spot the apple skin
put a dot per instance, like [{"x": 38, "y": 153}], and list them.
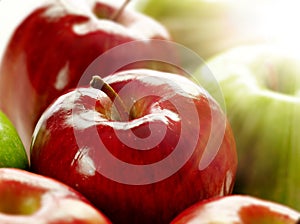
[
  {"x": 30, "y": 198},
  {"x": 51, "y": 48},
  {"x": 149, "y": 182},
  {"x": 12, "y": 151},
  {"x": 238, "y": 209},
  {"x": 261, "y": 84}
]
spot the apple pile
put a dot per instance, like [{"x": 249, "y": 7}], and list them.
[
  {"x": 112, "y": 135},
  {"x": 50, "y": 50}
]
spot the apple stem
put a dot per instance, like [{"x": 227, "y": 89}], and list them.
[
  {"x": 117, "y": 14},
  {"x": 98, "y": 83}
]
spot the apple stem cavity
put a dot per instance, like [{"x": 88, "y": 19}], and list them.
[
  {"x": 117, "y": 14},
  {"x": 272, "y": 79},
  {"x": 98, "y": 83}
]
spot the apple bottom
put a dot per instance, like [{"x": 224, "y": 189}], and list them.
[
  {"x": 156, "y": 202},
  {"x": 28, "y": 198},
  {"x": 124, "y": 203}
]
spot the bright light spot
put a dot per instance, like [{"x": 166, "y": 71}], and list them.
[
  {"x": 267, "y": 21},
  {"x": 279, "y": 22},
  {"x": 85, "y": 164},
  {"x": 62, "y": 78}
]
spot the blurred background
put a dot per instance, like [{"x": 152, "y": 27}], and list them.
[
  {"x": 211, "y": 26},
  {"x": 205, "y": 26}
]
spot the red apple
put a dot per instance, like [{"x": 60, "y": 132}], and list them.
[
  {"x": 147, "y": 146},
  {"x": 238, "y": 209},
  {"x": 52, "y": 47},
  {"x": 28, "y": 198}
]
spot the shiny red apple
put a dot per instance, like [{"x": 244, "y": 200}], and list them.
[
  {"x": 28, "y": 198},
  {"x": 144, "y": 147},
  {"x": 51, "y": 48},
  {"x": 238, "y": 209}
]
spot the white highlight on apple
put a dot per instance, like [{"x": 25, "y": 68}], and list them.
[{"x": 62, "y": 78}]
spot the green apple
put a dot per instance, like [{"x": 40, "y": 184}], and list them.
[
  {"x": 208, "y": 27},
  {"x": 261, "y": 87},
  {"x": 12, "y": 151}
]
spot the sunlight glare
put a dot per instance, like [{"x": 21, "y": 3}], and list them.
[{"x": 279, "y": 23}]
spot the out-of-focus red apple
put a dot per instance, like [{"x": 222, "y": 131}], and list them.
[
  {"x": 28, "y": 198},
  {"x": 167, "y": 146},
  {"x": 52, "y": 47}
]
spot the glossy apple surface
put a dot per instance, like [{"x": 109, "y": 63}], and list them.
[
  {"x": 12, "y": 151},
  {"x": 170, "y": 148},
  {"x": 51, "y": 48},
  {"x": 238, "y": 209},
  {"x": 261, "y": 90},
  {"x": 28, "y": 198}
]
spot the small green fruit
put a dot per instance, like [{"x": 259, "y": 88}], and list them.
[{"x": 12, "y": 151}]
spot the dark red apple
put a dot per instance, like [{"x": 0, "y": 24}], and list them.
[
  {"x": 147, "y": 146},
  {"x": 238, "y": 209},
  {"x": 28, "y": 198},
  {"x": 52, "y": 47}
]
